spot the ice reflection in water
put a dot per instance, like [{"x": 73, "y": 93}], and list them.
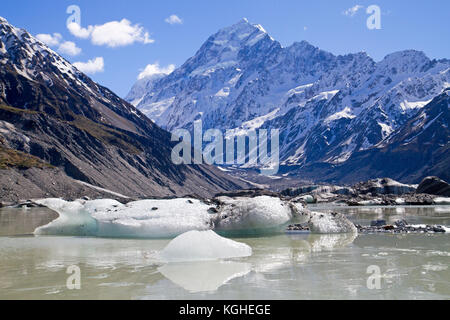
[{"x": 203, "y": 276}]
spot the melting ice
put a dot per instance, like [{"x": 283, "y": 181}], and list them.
[{"x": 171, "y": 218}]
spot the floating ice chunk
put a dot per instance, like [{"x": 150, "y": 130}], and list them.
[
  {"x": 75, "y": 218},
  {"x": 170, "y": 218},
  {"x": 400, "y": 201},
  {"x": 203, "y": 276},
  {"x": 139, "y": 219},
  {"x": 203, "y": 245},
  {"x": 257, "y": 214},
  {"x": 307, "y": 198},
  {"x": 373, "y": 202},
  {"x": 155, "y": 218},
  {"x": 441, "y": 201},
  {"x": 330, "y": 223}
]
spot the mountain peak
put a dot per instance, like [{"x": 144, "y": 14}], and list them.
[
  {"x": 406, "y": 54},
  {"x": 242, "y": 31},
  {"x": 222, "y": 49},
  {"x": 406, "y": 61},
  {"x": 243, "y": 20},
  {"x": 303, "y": 45}
]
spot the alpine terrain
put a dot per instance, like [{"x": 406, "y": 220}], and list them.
[
  {"x": 61, "y": 134},
  {"x": 337, "y": 115}
]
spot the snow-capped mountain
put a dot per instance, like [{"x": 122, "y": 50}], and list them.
[
  {"x": 419, "y": 148},
  {"x": 54, "y": 112},
  {"x": 143, "y": 87},
  {"x": 326, "y": 107}
]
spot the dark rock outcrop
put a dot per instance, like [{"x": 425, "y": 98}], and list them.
[
  {"x": 249, "y": 193},
  {"x": 383, "y": 186},
  {"x": 435, "y": 186},
  {"x": 400, "y": 226}
]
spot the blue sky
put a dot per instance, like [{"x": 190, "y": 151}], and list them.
[{"x": 405, "y": 25}]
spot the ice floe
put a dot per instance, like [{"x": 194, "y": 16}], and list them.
[
  {"x": 203, "y": 245},
  {"x": 441, "y": 201},
  {"x": 330, "y": 223},
  {"x": 169, "y": 218},
  {"x": 139, "y": 219},
  {"x": 259, "y": 214}
]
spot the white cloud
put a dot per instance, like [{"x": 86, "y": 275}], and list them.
[
  {"x": 152, "y": 69},
  {"x": 305, "y": 28},
  {"x": 55, "y": 40},
  {"x": 78, "y": 31},
  {"x": 350, "y": 12},
  {"x": 112, "y": 34},
  {"x": 92, "y": 66},
  {"x": 69, "y": 48},
  {"x": 174, "y": 19},
  {"x": 50, "y": 40}
]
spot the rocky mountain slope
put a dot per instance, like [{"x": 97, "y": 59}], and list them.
[
  {"x": 418, "y": 149},
  {"x": 52, "y": 111},
  {"x": 327, "y": 107}
]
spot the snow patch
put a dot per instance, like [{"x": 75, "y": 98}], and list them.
[{"x": 344, "y": 114}]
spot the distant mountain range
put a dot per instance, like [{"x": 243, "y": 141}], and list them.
[
  {"x": 55, "y": 118},
  {"x": 341, "y": 118}
]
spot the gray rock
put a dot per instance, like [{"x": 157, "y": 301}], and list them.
[
  {"x": 434, "y": 186},
  {"x": 378, "y": 223},
  {"x": 383, "y": 186},
  {"x": 250, "y": 193},
  {"x": 400, "y": 226}
]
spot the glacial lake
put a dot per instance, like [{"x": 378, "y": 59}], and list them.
[{"x": 412, "y": 266}]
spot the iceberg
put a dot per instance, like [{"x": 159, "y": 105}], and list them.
[
  {"x": 169, "y": 218},
  {"x": 330, "y": 223},
  {"x": 307, "y": 198},
  {"x": 261, "y": 214},
  {"x": 441, "y": 201},
  {"x": 75, "y": 219},
  {"x": 139, "y": 219},
  {"x": 203, "y": 246}
]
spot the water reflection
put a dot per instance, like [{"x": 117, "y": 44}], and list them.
[
  {"x": 281, "y": 267},
  {"x": 23, "y": 221},
  {"x": 412, "y": 214},
  {"x": 204, "y": 276},
  {"x": 324, "y": 242},
  {"x": 272, "y": 253}
]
